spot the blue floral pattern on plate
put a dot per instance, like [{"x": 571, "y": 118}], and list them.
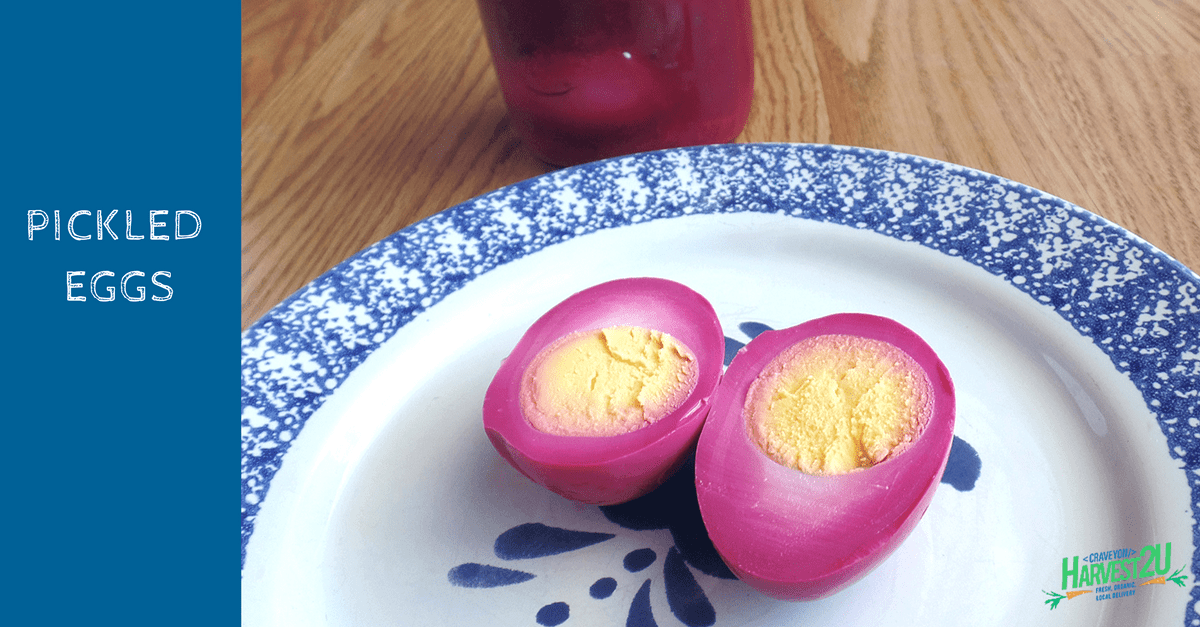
[{"x": 1136, "y": 304}]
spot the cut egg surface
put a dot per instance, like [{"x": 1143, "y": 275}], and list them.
[
  {"x": 821, "y": 452},
  {"x": 604, "y": 396}
]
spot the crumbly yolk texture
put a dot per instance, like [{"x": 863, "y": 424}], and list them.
[
  {"x": 835, "y": 403},
  {"x": 607, "y": 382}
]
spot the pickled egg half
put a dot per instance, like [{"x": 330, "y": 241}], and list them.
[
  {"x": 804, "y": 514},
  {"x": 563, "y": 410}
]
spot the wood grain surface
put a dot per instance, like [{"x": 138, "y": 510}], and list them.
[{"x": 360, "y": 117}]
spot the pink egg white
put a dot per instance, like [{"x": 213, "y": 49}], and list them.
[
  {"x": 606, "y": 470},
  {"x": 799, "y": 536}
]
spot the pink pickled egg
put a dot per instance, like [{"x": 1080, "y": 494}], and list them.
[
  {"x": 608, "y": 469},
  {"x": 800, "y": 535}
]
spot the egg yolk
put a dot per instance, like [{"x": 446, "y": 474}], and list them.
[
  {"x": 607, "y": 382},
  {"x": 835, "y": 403}
]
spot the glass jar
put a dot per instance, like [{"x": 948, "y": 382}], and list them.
[{"x": 590, "y": 79}]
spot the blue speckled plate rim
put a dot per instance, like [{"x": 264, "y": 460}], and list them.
[{"x": 1137, "y": 304}]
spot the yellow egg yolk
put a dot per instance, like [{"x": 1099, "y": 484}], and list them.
[
  {"x": 607, "y": 382},
  {"x": 834, "y": 403}
]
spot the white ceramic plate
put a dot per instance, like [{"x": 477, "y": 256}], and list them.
[{"x": 372, "y": 497}]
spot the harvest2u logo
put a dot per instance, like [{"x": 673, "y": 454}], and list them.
[{"x": 1116, "y": 574}]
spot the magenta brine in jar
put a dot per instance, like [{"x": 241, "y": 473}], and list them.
[{"x": 591, "y": 79}]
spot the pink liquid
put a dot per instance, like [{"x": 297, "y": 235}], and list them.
[{"x": 590, "y": 79}]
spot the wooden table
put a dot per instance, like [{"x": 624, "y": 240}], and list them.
[{"x": 360, "y": 117}]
